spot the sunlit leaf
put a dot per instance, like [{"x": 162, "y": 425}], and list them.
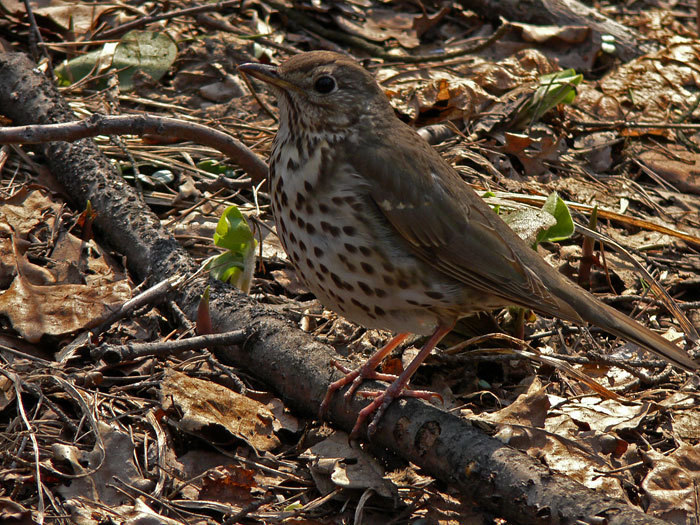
[
  {"x": 555, "y": 88},
  {"x": 235, "y": 265},
  {"x": 564, "y": 227},
  {"x": 143, "y": 51}
]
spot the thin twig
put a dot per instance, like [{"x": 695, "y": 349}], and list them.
[
  {"x": 146, "y": 20},
  {"x": 253, "y": 92},
  {"x": 35, "y": 445},
  {"x": 39, "y": 41},
  {"x": 617, "y": 124},
  {"x": 128, "y": 352}
]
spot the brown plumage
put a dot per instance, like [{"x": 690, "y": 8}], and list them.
[{"x": 385, "y": 232}]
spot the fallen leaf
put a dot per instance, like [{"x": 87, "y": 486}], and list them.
[
  {"x": 204, "y": 403},
  {"x": 96, "y": 470},
  {"x": 35, "y": 311},
  {"x": 334, "y": 463},
  {"x": 671, "y": 484}
]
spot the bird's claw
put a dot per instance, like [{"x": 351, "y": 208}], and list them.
[
  {"x": 381, "y": 402},
  {"x": 353, "y": 377},
  {"x": 419, "y": 394}
]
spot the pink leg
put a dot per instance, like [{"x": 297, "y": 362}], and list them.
[
  {"x": 383, "y": 400},
  {"x": 366, "y": 371}
]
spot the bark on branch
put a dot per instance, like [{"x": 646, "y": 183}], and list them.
[{"x": 499, "y": 478}]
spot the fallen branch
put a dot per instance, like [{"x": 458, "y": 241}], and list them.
[{"x": 507, "y": 482}]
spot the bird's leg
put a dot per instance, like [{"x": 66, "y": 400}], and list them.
[
  {"x": 397, "y": 388},
  {"x": 366, "y": 371}
]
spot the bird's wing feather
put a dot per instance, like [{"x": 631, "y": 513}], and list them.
[{"x": 447, "y": 225}]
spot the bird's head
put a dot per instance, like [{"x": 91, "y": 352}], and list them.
[{"x": 322, "y": 90}]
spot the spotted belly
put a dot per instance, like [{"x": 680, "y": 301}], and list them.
[{"x": 335, "y": 247}]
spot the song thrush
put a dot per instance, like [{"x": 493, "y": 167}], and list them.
[{"x": 385, "y": 232}]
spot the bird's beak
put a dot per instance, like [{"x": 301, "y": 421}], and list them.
[{"x": 267, "y": 74}]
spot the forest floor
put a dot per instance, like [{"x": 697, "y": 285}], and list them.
[{"x": 183, "y": 435}]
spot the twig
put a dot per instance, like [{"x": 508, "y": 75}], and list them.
[
  {"x": 241, "y": 514},
  {"x": 24, "y": 355},
  {"x": 617, "y": 124},
  {"x": 145, "y": 495},
  {"x": 38, "y": 42},
  {"x": 140, "y": 125},
  {"x": 149, "y": 296},
  {"x": 226, "y": 370},
  {"x": 252, "y": 90},
  {"x": 119, "y": 353},
  {"x": 88, "y": 414},
  {"x": 35, "y": 445},
  {"x": 144, "y": 21}
]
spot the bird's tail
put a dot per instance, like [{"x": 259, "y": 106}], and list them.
[{"x": 611, "y": 320}]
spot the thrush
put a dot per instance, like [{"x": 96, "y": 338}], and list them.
[{"x": 386, "y": 233}]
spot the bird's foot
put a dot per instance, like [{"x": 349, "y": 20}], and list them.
[
  {"x": 354, "y": 378},
  {"x": 366, "y": 371},
  {"x": 398, "y": 387},
  {"x": 381, "y": 402}
]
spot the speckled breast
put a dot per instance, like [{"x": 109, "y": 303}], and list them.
[{"x": 344, "y": 250}]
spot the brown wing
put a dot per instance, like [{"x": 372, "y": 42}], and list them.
[{"x": 449, "y": 226}]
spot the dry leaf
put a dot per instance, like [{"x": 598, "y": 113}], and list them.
[
  {"x": 116, "y": 459},
  {"x": 672, "y": 483},
  {"x": 204, "y": 403},
  {"x": 35, "y": 311},
  {"x": 336, "y": 463}
]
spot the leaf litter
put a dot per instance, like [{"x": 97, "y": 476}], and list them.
[{"x": 182, "y": 429}]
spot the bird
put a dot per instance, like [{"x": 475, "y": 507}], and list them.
[{"x": 386, "y": 233}]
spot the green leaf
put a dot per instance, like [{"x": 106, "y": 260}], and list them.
[
  {"x": 232, "y": 231},
  {"x": 237, "y": 264},
  {"x": 488, "y": 195},
  {"x": 151, "y": 52},
  {"x": 555, "y": 88},
  {"x": 215, "y": 167},
  {"x": 226, "y": 267},
  {"x": 564, "y": 227},
  {"x": 71, "y": 71}
]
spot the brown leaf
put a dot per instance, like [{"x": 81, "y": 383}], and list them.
[
  {"x": 228, "y": 484},
  {"x": 204, "y": 403},
  {"x": 677, "y": 165},
  {"x": 99, "y": 466},
  {"x": 28, "y": 210},
  {"x": 671, "y": 484},
  {"x": 61, "y": 309},
  {"x": 335, "y": 463}
]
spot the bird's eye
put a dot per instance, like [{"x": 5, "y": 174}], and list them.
[{"x": 324, "y": 84}]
